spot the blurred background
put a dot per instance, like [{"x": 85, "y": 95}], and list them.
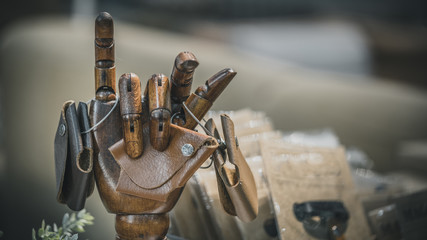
[{"x": 356, "y": 67}]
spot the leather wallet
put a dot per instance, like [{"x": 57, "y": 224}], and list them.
[
  {"x": 236, "y": 184},
  {"x": 154, "y": 175},
  {"x": 73, "y": 156}
]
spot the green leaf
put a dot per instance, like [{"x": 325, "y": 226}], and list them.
[
  {"x": 73, "y": 217},
  {"x": 79, "y": 229},
  {"x": 41, "y": 232},
  {"x": 88, "y": 217},
  {"x": 60, "y": 231},
  {"x": 85, "y": 222},
  {"x": 71, "y": 223},
  {"x": 81, "y": 213},
  {"x": 65, "y": 219}
]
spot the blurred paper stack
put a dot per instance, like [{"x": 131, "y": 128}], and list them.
[{"x": 289, "y": 168}]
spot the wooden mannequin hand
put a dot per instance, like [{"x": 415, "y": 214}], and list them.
[
  {"x": 163, "y": 98},
  {"x": 165, "y": 102}
]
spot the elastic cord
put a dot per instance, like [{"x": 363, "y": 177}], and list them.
[
  {"x": 197, "y": 120},
  {"x": 103, "y": 119}
]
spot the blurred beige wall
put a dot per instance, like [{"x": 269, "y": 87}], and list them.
[{"x": 47, "y": 61}]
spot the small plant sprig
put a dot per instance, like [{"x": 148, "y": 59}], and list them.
[{"x": 70, "y": 224}]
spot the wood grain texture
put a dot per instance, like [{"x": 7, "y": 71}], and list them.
[
  {"x": 156, "y": 174},
  {"x": 158, "y": 90},
  {"x": 107, "y": 171},
  {"x": 182, "y": 77},
  {"x": 142, "y": 227},
  {"x": 105, "y": 70},
  {"x": 131, "y": 110},
  {"x": 216, "y": 84},
  {"x": 105, "y": 83},
  {"x": 198, "y": 106},
  {"x": 203, "y": 98},
  {"x": 137, "y": 217}
]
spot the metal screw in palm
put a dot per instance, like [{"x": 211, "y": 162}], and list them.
[{"x": 156, "y": 122}]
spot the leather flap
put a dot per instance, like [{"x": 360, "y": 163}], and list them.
[
  {"x": 61, "y": 151},
  {"x": 241, "y": 185},
  {"x": 241, "y": 191},
  {"x": 218, "y": 158},
  {"x": 73, "y": 157},
  {"x": 224, "y": 197},
  {"x": 236, "y": 184},
  {"x": 153, "y": 169},
  {"x": 86, "y": 161}
]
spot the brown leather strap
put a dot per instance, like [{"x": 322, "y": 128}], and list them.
[
  {"x": 236, "y": 184},
  {"x": 73, "y": 157},
  {"x": 61, "y": 151}
]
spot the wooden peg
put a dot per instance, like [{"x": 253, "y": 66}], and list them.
[
  {"x": 142, "y": 227},
  {"x": 159, "y": 105},
  {"x": 131, "y": 110},
  {"x": 105, "y": 69},
  {"x": 203, "y": 98},
  {"x": 182, "y": 78}
]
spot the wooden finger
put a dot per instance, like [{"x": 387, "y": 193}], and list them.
[
  {"x": 182, "y": 78},
  {"x": 131, "y": 110},
  {"x": 159, "y": 105},
  {"x": 105, "y": 69},
  {"x": 203, "y": 98}
]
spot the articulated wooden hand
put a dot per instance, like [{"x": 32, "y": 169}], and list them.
[{"x": 146, "y": 149}]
